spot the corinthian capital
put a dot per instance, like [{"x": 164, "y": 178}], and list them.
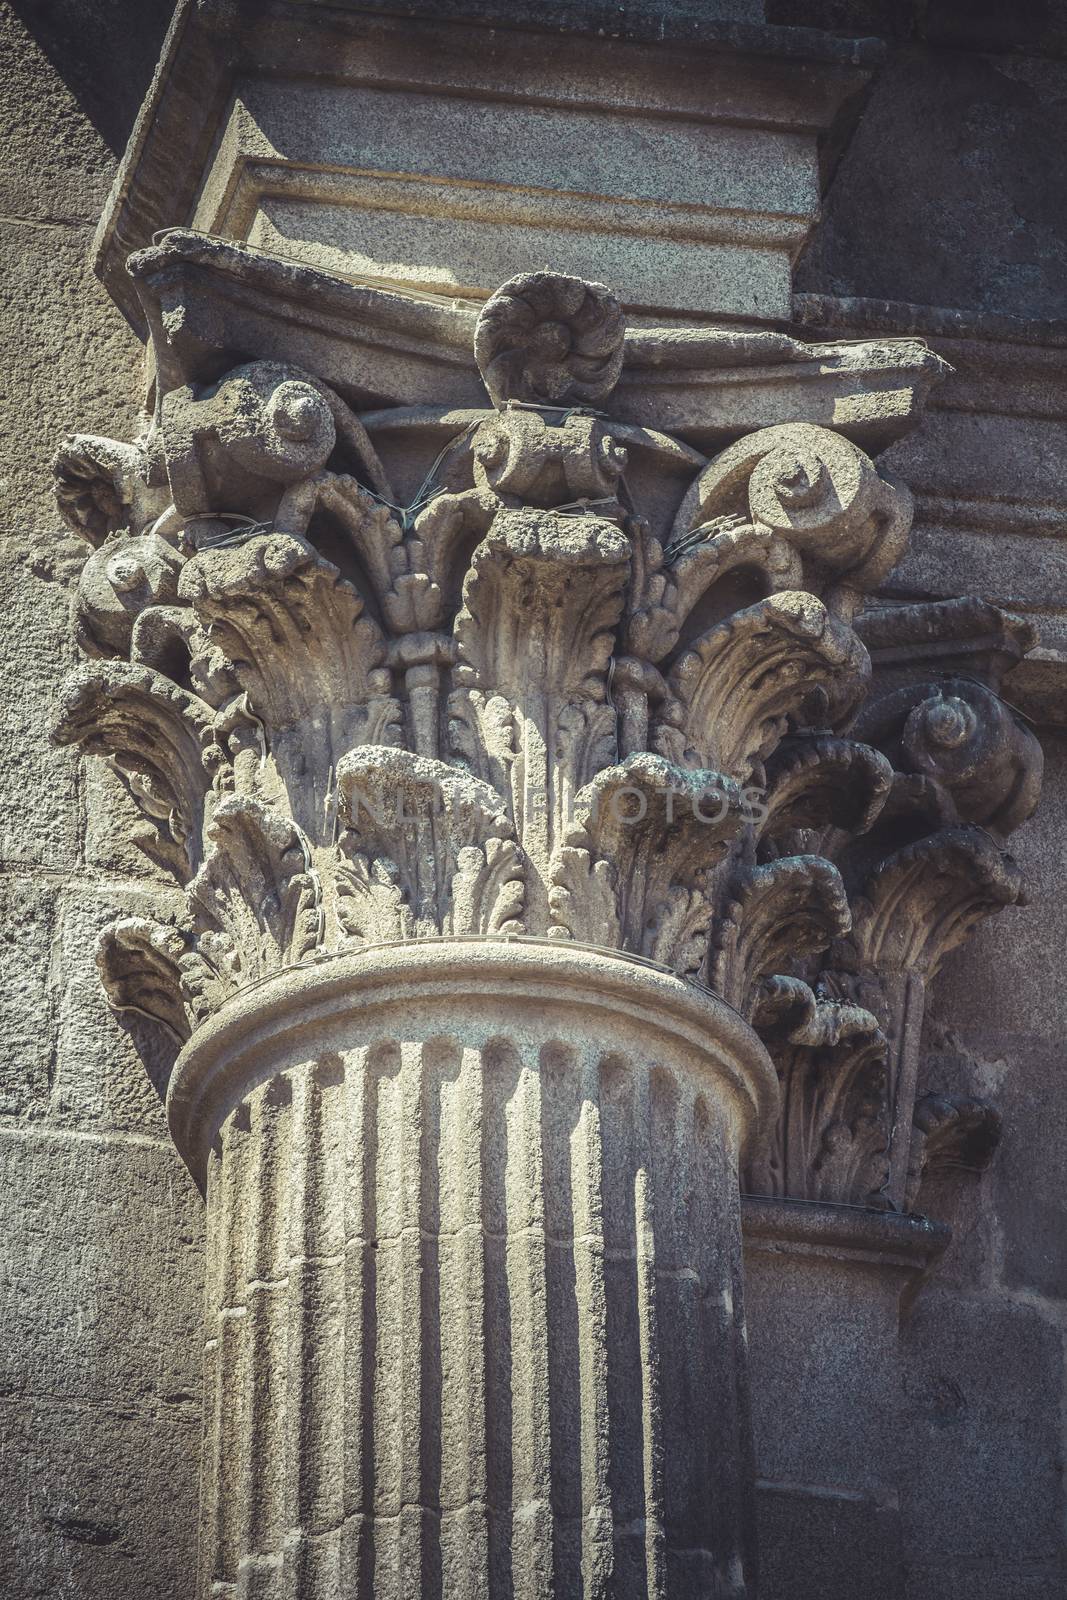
[
  {"x": 538, "y": 836},
  {"x": 529, "y": 645}
]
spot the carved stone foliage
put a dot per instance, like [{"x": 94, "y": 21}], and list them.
[
  {"x": 524, "y": 669},
  {"x": 928, "y": 864}
]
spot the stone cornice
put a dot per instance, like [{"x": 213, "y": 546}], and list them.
[
  {"x": 386, "y": 348},
  {"x": 991, "y": 496},
  {"x": 909, "y": 1245},
  {"x": 749, "y": 85},
  {"x": 691, "y": 23}
]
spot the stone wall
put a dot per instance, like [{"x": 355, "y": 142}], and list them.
[
  {"x": 950, "y": 195},
  {"x": 100, "y": 1281}
]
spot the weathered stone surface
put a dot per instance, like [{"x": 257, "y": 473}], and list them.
[
  {"x": 40, "y": 821},
  {"x": 492, "y": 1263},
  {"x": 57, "y": 168},
  {"x": 709, "y": 384},
  {"x": 964, "y": 148},
  {"x": 973, "y": 1443},
  {"x": 956, "y": 1580},
  {"x": 100, "y": 51},
  {"x": 987, "y": 467},
  {"x": 828, "y": 1543},
  {"x": 29, "y": 994},
  {"x": 100, "y": 1292},
  {"x": 507, "y": 656},
  {"x": 986, "y": 470},
  {"x": 824, "y": 1286},
  {"x": 112, "y": 825},
  {"x": 1031, "y": 1257},
  {"x": 99, "y": 1501},
  {"x": 68, "y": 360}
]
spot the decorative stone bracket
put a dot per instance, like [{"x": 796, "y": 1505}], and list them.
[{"x": 521, "y": 772}]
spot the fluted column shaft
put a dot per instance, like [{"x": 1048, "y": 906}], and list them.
[{"x": 475, "y": 1325}]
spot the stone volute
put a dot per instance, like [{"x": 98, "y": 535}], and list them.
[{"x": 502, "y": 756}]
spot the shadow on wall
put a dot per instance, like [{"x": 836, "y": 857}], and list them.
[
  {"x": 105, "y": 51},
  {"x": 1026, "y": 25},
  {"x": 952, "y": 190}
]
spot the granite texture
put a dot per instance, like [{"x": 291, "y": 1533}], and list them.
[
  {"x": 913, "y": 1430},
  {"x": 101, "y": 1263}
]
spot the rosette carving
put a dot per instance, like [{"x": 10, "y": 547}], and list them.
[{"x": 551, "y": 340}]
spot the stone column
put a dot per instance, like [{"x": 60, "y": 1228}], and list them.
[
  {"x": 475, "y": 1319},
  {"x": 456, "y": 732}
]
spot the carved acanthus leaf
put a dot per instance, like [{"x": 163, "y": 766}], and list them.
[
  {"x": 671, "y": 582},
  {"x": 733, "y": 692},
  {"x": 542, "y": 598},
  {"x": 377, "y": 537},
  {"x": 923, "y": 900},
  {"x": 443, "y": 531},
  {"x": 788, "y": 1011},
  {"x": 104, "y": 485},
  {"x": 653, "y": 835},
  {"x": 831, "y": 1139},
  {"x": 171, "y": 641},
  {"x": 293, "y": 627},
  {"x": 817, "y": 783},
  {"x": 409, "y": 560},
  {"x": 534, "y": 639},
  {"x": 309, "y": 660},
  {"x": 436, "y": 838},
  {"x": 153, "y": 731},
  {"x": 256, "y": 903},
  {"x": 777, "y": 915},
  {"x": 140, "y": 968},
  {"x": 562, "y": 684}
]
